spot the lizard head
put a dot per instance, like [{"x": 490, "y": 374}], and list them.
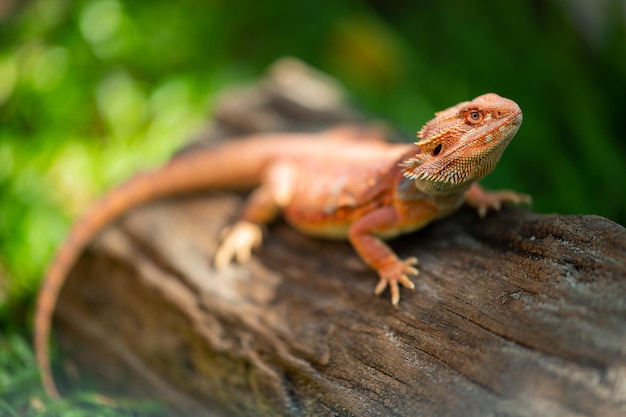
[{"x": 463, "y": 144}]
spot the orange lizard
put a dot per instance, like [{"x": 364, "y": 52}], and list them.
[{"x": 332, "y": 184}]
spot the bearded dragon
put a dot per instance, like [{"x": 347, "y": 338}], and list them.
[{"x": 335, "y": 184}]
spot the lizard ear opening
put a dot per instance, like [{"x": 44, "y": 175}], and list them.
[{"x": 437, "y": 150}]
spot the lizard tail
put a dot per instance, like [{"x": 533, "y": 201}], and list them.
[{"x": 209, "y": 169}]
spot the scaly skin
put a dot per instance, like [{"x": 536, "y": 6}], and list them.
[{"x": 342, "y": 183}]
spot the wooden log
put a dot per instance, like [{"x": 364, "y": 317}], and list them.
[{"x": 518, "y": 314}]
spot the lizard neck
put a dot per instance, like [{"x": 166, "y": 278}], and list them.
[
  {"x": 434, "y": 188},
  {"x": 447, "y": 201}
]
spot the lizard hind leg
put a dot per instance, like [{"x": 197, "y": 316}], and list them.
[
  {"x": 238, "y": 242},
  {"x": 261, "y": 208}
]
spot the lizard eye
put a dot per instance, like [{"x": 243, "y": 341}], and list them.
[
  {"x": 437, "y": 150},
  {"x": 474, "y": 117}
]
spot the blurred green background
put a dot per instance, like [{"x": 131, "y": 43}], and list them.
[{"x": 94, "y": 90}]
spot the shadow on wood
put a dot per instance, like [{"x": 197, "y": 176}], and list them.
[{"x": 518, "y": 314}]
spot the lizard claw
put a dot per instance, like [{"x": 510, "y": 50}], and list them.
[
  {"x": 239, "y": 240},
  {"x": 493, "y": 200},
  {"x": 394, "y": 273}
]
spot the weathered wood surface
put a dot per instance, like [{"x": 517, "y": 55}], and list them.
[{"x": 518, "y": 314}]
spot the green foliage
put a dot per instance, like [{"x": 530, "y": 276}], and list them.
[{"x": 93, "y": 90}]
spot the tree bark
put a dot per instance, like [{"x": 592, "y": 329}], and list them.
[{"x": 517, "y": 314}]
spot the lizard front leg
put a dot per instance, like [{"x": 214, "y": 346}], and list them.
[
  {"x": 262, "y": 207},
  {"x": 375, "y": 253},
  {"x": 483, "y": 200}
]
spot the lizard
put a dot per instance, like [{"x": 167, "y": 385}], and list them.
[{"x": 340, "y": 183}]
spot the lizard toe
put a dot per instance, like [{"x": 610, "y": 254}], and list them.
[
  {"x": 238, "y": 243},
  {"x": 395, "y": 274}
]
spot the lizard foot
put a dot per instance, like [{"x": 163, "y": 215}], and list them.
[
  {"x": 394, "y": 273},
  {"x": 484, "y": 201},
  {"x": 238, "y": 242}
]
